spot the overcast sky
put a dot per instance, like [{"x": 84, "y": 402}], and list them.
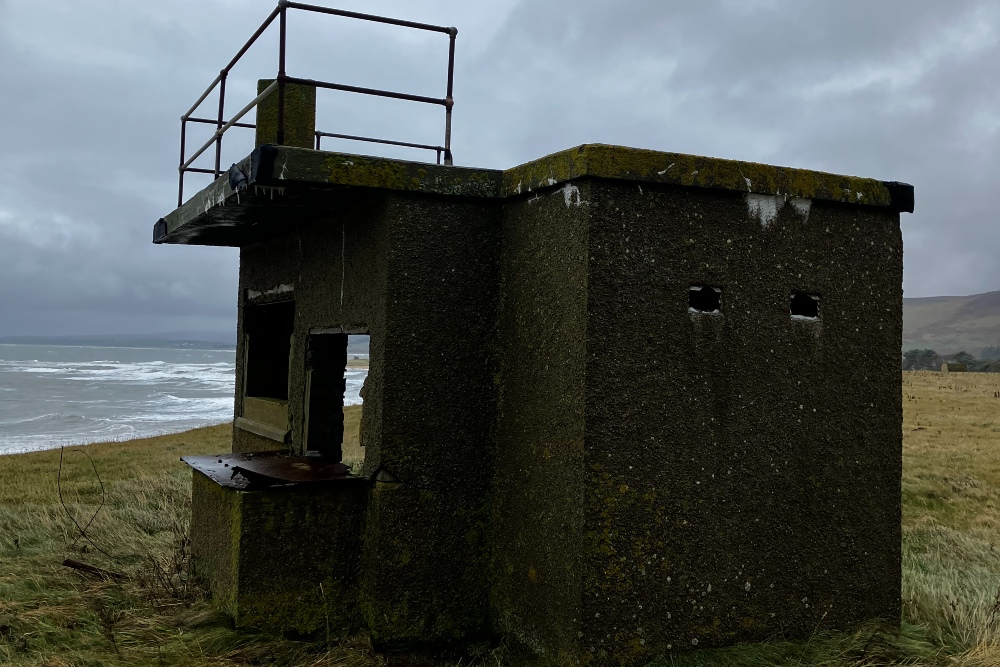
[{"x": 92, "y": 91}]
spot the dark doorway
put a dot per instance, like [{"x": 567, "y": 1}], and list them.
[{"x": 326, "y": 360}]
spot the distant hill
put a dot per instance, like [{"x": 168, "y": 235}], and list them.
[{"x": 950, "y": 324}]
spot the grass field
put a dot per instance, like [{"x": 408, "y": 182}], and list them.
[{"x": 55, "y": 616}]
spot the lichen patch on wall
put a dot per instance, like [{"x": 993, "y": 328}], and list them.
[
  {"x": 571, "y": 194},
  {"x": 764, "y": 208},
  {"x": 801, "y": 206}
]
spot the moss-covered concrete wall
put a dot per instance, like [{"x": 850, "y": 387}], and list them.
[
  {"x": 419, "y": 273},
  {"x": 425, "y": 540},
  {"x": 558, "y": 449},
  {"x": 299, "y": 558},
  {"x": 332, "y": 262},
  {"x": 284, "y": 559},
  {"x": 742, "y": 467},
  {"x": 215, "y": 530},
  {"x": 537, "y": 562}
]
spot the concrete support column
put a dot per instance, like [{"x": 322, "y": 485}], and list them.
[{"x": 300, "y": 115}]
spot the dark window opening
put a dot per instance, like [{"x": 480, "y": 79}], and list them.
[
  {"x": 805, "y": 306},
  {"x": 702, "y": 299},
  {"x": 336, "y": 371},
  {"x": 268, "y": 330}
]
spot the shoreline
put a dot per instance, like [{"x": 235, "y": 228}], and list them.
[{"x": 110, "y": 441}]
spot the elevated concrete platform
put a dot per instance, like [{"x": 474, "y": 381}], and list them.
[{"x": 287, "y": 181}]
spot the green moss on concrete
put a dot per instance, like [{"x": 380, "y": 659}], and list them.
[
  {"x": 215, "y": 529},
  {"x": 299, "y": 115},
  {"x": 283, "y": 559},
  {"x": 423, "y": 580},
  {"x": 374, "y": 172},
  {"x": 646, "y": 166},
  {"x": 215, "y": 215}
]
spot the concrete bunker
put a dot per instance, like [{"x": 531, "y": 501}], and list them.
[{"x": 557, "y": 450}]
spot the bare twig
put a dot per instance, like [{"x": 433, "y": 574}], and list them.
[
  {"x": 103, "y": 496},
  {"x": 83, "y": 531},
  {"x": 95, "y": 571}
]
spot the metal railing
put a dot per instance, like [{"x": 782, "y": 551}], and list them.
[{"x": 282, "y": 79}]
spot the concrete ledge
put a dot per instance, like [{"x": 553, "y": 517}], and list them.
[
  {"x": 297, "y": 179},
  {"x": 646, "y": 166}
]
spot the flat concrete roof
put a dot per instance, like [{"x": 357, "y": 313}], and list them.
[{"x": 293, "y": 180}]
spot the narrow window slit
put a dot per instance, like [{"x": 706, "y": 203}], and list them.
[
  {"x": 704, "y": 299},
  {"x": 805, "y": 306}
]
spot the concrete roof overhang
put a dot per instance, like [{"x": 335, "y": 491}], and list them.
[{"x": 276, "y": 185}]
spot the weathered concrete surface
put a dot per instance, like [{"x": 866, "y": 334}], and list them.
[
  {"x": 284, "y": 559},
  {"x": 557, "y": 449},
  {"x": 374, "y": 268},
  {"x": 743, "y": 481},
  {"x": 425, "y": 541},
  {"x": 333, "y": 264},
  {"x": 289, "y": 177},
  {"x": 537, "y": 532},
  {"x": 299, "y": 115},
  {"x": 638, "y": 165}
]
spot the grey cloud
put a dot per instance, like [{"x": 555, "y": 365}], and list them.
[{"x": 88, "y": 127}]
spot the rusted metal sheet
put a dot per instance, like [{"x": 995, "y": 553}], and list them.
[{"x": 266, "y": 469}]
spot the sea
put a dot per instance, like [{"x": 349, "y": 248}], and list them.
[{"x": 58, "y": 395}]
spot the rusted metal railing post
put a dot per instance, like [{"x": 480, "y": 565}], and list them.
[
  {"x": 449, "y": 98},
  {"x": 282, "y": 31},
  {"x": 289, "y": 116},
  {"x": 221, "y": 122},
  {"x": 180, "y": 169}
]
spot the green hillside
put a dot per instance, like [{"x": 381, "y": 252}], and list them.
[{"x": 949, "y": 324}]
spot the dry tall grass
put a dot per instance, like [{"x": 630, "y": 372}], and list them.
[{"x": 54, "y": 616}]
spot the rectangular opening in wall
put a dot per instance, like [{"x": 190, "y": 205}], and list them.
[
  {"x": 704, "y": 299},
  {"x": 804, "y": 306},
  {"x": 356, "y": 378},
  {"x": 336, "y": 370},
  {"x": 268, "y": 329},
  {"x": 267, "y": 346}
]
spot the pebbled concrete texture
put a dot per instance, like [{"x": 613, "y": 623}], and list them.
[
  {"x": 299, "y": 115},
  {"x": 282, "y": 559},
  {"x": 743, "y": 467},
  {"x": 557, "y": 449},
  {"x": 437, "y": 406},
  {"x": 537, "y": 520}
]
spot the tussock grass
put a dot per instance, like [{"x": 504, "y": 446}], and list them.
[{"x": 54, "y": 616}]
